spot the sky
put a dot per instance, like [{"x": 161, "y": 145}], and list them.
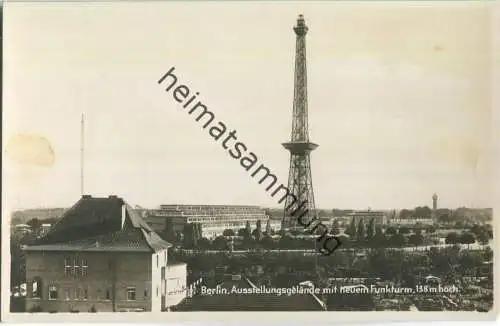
[{"x": 399, "y": 101}]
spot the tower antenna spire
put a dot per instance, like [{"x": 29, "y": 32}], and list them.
[
  {"x": 82, "y": 153},
  {"x": 299, "y": 177}
]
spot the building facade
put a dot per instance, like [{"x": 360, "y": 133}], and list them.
[
  {"x": 378, "y": 216},
  {"x": 101, "y": 256},
  {"x": 412, "y": 221},
  {"x": 213, "y": 218}
]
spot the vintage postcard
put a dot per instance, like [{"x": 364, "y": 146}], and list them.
[{"x": 207, "y": 161}]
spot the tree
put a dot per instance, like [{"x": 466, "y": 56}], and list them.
[
  {"x": 418, "y": 227},
  {"x": 391, "y": 230},
  {"x": 268, "y": 227},
  {"x": 404, "y": 214},
  {"x": 335, "y": 227},
  {"x": 444, "y": 217},
  {"x": 197, "y": 232},
  {"x": 404, "y": 230},
  {"x": 370, "y": 231},
  {"x": 188, "y": 236},
  {"x": 168, "y": 232},
  {"x": 467, "y": 238},
  {"x": 18, "y": 262},
  {"x": 423, "y": 212},
  {"x": 204, "y": 244},
  {"x": 476, "y": 229},
  {"x": 35, "y": 225},
  {"x": 228, "y": 233},
  {"x": 416, "y": 239},
  {"x": 248, "y": 231},
  {"x": 483, "y": 238},
  {"x": 452, "y": 238},
  {"x": 481, "y": 233},
  {"x": 430, "y": 229},
  {"x": 191, "y": 234},
  {"x": 257, "y": 233},
  {"x": 361, "y": 231},
  {"x": 220, "y": 243},
  {"x": 351, "y": 230},
  {"x": 379, "y": 239},
  {"x": 397, "y": 240}
]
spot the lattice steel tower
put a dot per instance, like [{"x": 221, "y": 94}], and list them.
[{"x": 299, "y": 178}]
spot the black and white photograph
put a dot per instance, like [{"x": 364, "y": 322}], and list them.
[{"x": 167, "y": 157}]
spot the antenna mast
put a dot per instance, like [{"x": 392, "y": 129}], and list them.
[{"x": 81, "y": 153}]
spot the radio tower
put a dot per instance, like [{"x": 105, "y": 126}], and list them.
[{"x": 299, "y": 178}]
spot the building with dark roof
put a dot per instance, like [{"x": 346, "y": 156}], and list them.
[{"x": 101, "y": 256}]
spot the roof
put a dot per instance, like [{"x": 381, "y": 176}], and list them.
[{"x": 100, "y": 224}]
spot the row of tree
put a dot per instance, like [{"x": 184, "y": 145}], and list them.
[
  {"x": 362, "y": 233},
  {"x": 358, "y": 235},
  {"x": 418, "y": 212},
  {"x": 191, "y": 235}
]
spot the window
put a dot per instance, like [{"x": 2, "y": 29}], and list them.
[
  {"x": 145, "y": 294},
  {"x": 37, "y": 288},
  {"x": 66, "y": 294},
  {"x": 78, "y": 293},
  {"x": 157, "y": 260},
  {"x": 157, "y": 290},
  {"x": 76, "y": 268},
  {"x": 67, "y": 266},
  {"x": 85, "y": 294},
  {"x": 131, "y": 293},
  {"x": 52, "y": 292},
  {"x": 84, "y": 267},
  {"x": 108, "y": 295}
]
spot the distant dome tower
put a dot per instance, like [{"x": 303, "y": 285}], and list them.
[{"x": 434, "y": 205}]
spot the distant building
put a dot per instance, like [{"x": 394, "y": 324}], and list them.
[
  {"x": 412, "y": 221},
  {"x": 379, "y": 216},
  {"x": 101, "y": 256},
  {"x": 434, "y": 205},
  {"x": 21, "y": 229},
  {"x": 44, "y": 229},
  {"x": 213, "y": 218}
]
